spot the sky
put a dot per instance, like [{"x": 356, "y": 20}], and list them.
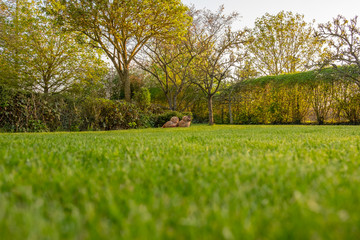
[{"x": 320, "y": 10}]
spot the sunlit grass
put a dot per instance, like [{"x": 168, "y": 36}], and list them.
[{"x": 221, "y": 182}]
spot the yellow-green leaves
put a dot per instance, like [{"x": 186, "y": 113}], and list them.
[
  {"x": 283, "y": 43},
  {"x": 42, "y": 57},
  {"x": 122, "y": 27}
]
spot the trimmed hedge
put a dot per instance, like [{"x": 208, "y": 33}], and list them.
[
  {"x": 302, "y": 78},
  {"x": 308, "y": 97},
  {"x": 25, "y": 111},
  {"x": 22, "y": 111}
]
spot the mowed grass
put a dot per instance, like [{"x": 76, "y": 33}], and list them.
[{"x": 202, "y": 182}]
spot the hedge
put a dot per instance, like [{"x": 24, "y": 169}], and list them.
[
  {"x": 308, "y": 97},
  {"x": 22, "y": 111}
]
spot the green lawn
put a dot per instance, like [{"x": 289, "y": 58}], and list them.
[{"x": 221, "y": 182}]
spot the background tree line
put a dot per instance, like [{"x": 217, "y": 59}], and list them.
[{"x": 161, "y": 56}]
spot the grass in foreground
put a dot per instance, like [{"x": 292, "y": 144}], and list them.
[{"x": 221, "y": 182}]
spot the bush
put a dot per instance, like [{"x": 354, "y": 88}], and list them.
[
  {"x": 22, "y": 111},
  {"x": 147, "y": 119},
  {"x": 142, "y": 98},
  {"x": 104, "y": 114}
]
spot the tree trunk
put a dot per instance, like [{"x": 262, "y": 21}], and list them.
[
  {"x": 174, "y": 104},
  {"x": 127, "y": 89},
  {"x": 230, "y": 113},
  {"x": 211, "y": 114},
  {"x": 222, "y": 114},
  {"x": 124, "y": 78},
  {"x": 46, "y": 87},
  {"x": 170, "y": 102}
]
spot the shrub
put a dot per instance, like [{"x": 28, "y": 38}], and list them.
[
  {"x": 147, "y": 119},
  {"x": 142, "y": 98},
  {"x": 22, "y": 111},
  {"x": 104, "y": 114}
]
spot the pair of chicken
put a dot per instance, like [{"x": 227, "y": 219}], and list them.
[{"x": 174, "y": 122}]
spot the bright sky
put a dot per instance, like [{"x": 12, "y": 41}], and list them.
[{"x": 320, "y": 10}]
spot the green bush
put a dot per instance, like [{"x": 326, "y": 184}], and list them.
[
  {"x": 147, "y": 120},
  {"x": 69, "y": 110},
  {"x": 142, "y": 98},
  {"x": 37, "y": 126},
  {"x": 22, "y": 111},
  {"x": 104, "y": 114}
]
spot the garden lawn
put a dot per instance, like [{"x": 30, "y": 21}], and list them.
[{"x": 202, "y": 182}]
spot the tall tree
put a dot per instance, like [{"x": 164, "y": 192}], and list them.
[
  {"x": 343, "y": 38},
  {"x": 9, "y": 29},
  {"x": 122, "y": 27},
  {"x": 243, "y": 70},
  {"x": 214, "y": 65},
  {"x": 170, "y": 62},
  {"x": 283, "y": 43},
  {"x": 43, "y": 57}
]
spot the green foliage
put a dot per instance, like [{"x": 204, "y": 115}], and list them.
[
  {"x": 307, "y": 97},
  {"x": 157, "y": 94},
  {"x": 100, "y": 114},
  {"x": 38, "y": 55},
  {"x": 130, "y": 22},
  {"x": 143, "y": 98},
  {"x": 290, "y": 79},
  {"x": 37, "y": 126},
  {"x": 25, "y": 111},
  {"x": 104, "y": 114},
  {"x": 283, "y": 43},
  {"x": 22, "y": 111},
  {"x": 219, "y": 182},
  {"x": 218, "y": 43},
  {"x": 147, "y": 119}
]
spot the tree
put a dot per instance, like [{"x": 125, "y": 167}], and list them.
[
  {"x": 244, "y": 70},
  {"x": 170, "y": 62},
  {"x": 43, "y": 57},
  {"x": 283, "y": 43},
  {"x": 121, "y": 28},
  {"x": 214, "y": 65},
  {"x": 343, "y": 39},
  {"x": 8, "y": 33},
  {"x": 167, "y": 63}
]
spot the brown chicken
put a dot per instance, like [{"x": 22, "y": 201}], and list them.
[
  {"x": 172, "y": 123},
  {"x": 185, "y": 122}
]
